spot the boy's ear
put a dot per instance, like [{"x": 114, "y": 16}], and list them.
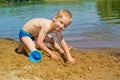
[{"x": 55, "y": 17}]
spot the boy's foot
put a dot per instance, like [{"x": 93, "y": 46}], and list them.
[
  {"x": 21, "y": 52},
  {"x": 61, "y": 51},
  {"x": 70, "y": 47},
  {"x": 18, "y": 51}
]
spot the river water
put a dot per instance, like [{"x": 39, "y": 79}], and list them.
[{"x": 96, "y": 23}]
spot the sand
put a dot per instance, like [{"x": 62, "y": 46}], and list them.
[{"x": 92, "y": 64}]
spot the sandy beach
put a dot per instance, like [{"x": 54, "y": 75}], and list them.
[{"x": 91, "y": 64}]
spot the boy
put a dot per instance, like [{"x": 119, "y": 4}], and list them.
[{"x": 39, "y": 28}]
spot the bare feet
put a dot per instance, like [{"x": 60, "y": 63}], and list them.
[
  {"x": 62, "y": 51},
  {"x": 17, "y": 50},
  {"x": 70, "y": 47}
]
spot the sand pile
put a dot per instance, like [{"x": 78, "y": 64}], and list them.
[{"x": 92, "y": 64}]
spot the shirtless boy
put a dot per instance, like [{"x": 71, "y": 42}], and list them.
[{"x": 39, "y": 28}]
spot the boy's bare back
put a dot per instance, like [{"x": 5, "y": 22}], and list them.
[{"x": 34, "y": 26}]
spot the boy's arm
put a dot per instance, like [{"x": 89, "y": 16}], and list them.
[
  {"x": 65, "y": 47},
  {"x": 41, "y": 44}
]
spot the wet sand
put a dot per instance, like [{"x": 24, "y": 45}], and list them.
[{"x": 92, "y": 64}]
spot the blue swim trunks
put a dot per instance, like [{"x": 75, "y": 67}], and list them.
[{"x": 23, "y": 33}]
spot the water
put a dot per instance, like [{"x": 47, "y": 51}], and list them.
[{"x": 96, "y": 23}]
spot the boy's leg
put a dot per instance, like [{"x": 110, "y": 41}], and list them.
[
  {"x": 28, "y": 44},
  {"x": 54, "y": 43}
]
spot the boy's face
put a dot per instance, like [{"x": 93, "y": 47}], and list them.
[{"x": 61, "y": 23}]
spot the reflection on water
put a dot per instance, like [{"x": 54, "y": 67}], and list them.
[
  {"x": 109, "y": 10},
  {"x": 96, "y": 23}
]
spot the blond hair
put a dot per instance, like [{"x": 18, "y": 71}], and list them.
[{"x": 66, "y": 13}]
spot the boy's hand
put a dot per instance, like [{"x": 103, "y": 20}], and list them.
[
  {"x": 55, "y": 57},
  {"x": 72, "y": 60}
]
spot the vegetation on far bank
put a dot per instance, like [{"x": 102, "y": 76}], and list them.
[{"x": 4, "y": 1}]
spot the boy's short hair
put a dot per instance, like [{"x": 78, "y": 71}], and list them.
[{"x": 66, "y": 13}]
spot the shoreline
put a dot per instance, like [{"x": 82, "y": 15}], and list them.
[
  {"x": 91, "y": 64},
  {"x": 91, "y": 43},
  {"x": 95, "y": 43}
]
